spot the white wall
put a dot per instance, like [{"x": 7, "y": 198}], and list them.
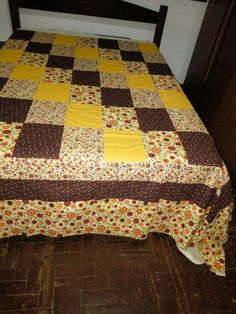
[
  {"x": 183, "y": 22},
  {"x": 5, "y": 23}
]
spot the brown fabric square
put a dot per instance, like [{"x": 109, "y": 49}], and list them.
[
  {"x": 154, "y": 120},
  {"x": 3, "y": 81},
  {"x": 159, "y": 69},
  {"x": 38, "y": 48},
  {"x": 119, "y": 97},
  {"x": 14, "y": 110},
  {"x": 22, "y": 34},
  {"x": 89, "y": 78},
  {"x": 39, "y": 141},
  {"x": 200, "y": 149},
  {"x": 132, "y": 56},
  {"x": 60, "y": 62},
  {"x": 108, "y": 43}
]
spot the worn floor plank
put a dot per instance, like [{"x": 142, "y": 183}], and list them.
[{"x": 102, "y": 274}]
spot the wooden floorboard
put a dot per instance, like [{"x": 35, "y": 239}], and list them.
[{"x": 102, "y": 274}]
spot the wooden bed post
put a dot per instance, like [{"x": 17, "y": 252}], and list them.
[
  {"x": 115, "y": 9},
  {"x": 15, "y": 16},
  {"x": 160, "y": 25}
]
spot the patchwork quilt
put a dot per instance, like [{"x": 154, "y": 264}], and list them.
[{"x": 97, "y": 136}]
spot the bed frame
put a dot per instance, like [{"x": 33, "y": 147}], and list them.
[{"x": 115, "y": 9}]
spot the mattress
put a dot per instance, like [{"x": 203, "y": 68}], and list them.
[{"x": 97, "y": 136}]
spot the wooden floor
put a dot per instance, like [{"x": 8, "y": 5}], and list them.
[{"x": 110, "y": 275}]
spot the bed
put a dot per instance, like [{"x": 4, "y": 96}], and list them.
[{"x": 97, "y": 136}]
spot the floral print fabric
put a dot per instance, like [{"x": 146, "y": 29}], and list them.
[{"x": 121, "y": 217}]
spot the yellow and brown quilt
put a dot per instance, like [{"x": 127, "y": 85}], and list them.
[{"x": 97, "y": 136}]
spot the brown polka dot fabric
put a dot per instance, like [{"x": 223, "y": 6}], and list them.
[
  {"x": 154, "y": 120},
  {"x": 116, "y": 97},
  {"x": 159, "y": 69},
  {"x": 60, "y": 62},
  {"x": 132, "y": 56},
  {"x": 39, "y": 141},
  {"x": 89, "y": 78},
  {"x": 200, "y": 149},
  {"x": 22, "y": 34},
  {"x": 220, "y": 201},
  {"x": 14, "y": 110},
  {"x": 3, "y": 81},
  {"x": 98, "y": 190},
  {"x": 38, "y": 48},
  {"x": 107, "y": 43}
]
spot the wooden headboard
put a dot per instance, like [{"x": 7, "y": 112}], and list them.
[{"x": 115, "y": 9}]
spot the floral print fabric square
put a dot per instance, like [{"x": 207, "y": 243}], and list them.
[
  {"x": 85, "y": 64},
  {"x": 87, "y": 42},
  {"x": 62, "y": 50},
  {"x": 120, "y": 118},
  {"x": 6, "y": 69},
  {"x": 135, "y": 67},
  {"x": 143, "y": 98},
  {"x": 17, "y": 44},
  {"x": 116, "y": 80},
  {"x": 186, "y": 120},
  {"x": 153, "y": 58},
  {"x": 166, "y": 82},
  {"x": 57, "y": 75},
  {"x": 45, "y": 38},
  {"x": 24, "y": 89},
  {"x": 128, "y": 45},
  {"x": 109, "y": 54},
  {"x": 32, "y": 58},
  {"x": 85, "y": 94},
  {"x": 164, "y": 147},
  {"x": 47, "y": 112},
  {"x": 82, "y": 145},
  {"x": 9, "y": 134}
]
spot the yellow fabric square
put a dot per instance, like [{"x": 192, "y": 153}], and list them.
[
  {"x": 67, "y": 40},
  {"x": 148, "y": 47},
  {"x": 123, "y": 146},
  {"x": 86, "y": 53},
  {"x": 53, "y": 92},
  {"x": 143, "y": 81},
  {"x": 112, "y": 66},
  {"x": 27, "y": 72},
  {"x": 10, "y": 55},
  {"x": 174, "y": 99},
  {"x": 84, "y": 116}
]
